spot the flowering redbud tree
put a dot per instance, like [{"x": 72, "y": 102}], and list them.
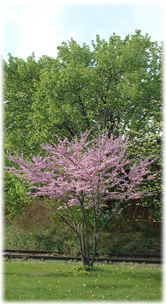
[{"x": 85, "y": 177}]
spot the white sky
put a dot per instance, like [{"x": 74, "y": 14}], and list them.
[{"x": 39, "y": 26}]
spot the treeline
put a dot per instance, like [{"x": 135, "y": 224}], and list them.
[{"x": 113, "y": 85}]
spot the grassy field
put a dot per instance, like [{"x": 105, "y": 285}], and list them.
[{"x": 56, "y": 280}]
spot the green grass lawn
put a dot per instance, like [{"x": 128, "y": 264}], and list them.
[{"x": 55, "y": 280}]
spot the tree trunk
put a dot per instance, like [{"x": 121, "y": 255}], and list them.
[
  {"x": 86, "y": 261},
  {"x": 94, "y": 251},
  {"x": 85, "y": 240}
]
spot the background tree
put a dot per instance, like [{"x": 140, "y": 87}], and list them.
[
  {"x": 19, "y": 87},
  {"x": 114, "y": 86},
  {"x": 81, "y": 176}
]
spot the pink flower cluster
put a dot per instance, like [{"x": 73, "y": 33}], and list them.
[{"x": 84, "y": 171}]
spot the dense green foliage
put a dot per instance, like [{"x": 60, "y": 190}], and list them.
[
  {"x": 120, "y": 236},
  {"x": 114, "y": 86},
  {"x": 132, "y": 238}
]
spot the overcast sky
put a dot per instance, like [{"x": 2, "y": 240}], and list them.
[{"x": 39, "y": 26}]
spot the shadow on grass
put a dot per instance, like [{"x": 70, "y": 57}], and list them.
[
  {"x": 122, "y": 276},
  {"x": 37, "y": 274}
]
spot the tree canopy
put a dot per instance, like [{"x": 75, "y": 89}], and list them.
[{"x": 113, "y": 85}]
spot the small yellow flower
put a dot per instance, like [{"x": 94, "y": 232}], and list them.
[
  {"x": 59, "y": 281},
  {"x": 49, "y": 288}
]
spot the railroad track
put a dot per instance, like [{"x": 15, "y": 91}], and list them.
[{"x": 57, "y": 255}]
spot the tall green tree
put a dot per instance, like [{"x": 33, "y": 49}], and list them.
[
  {"x": 114, "y": 86},
  {"x": 19, "y": 86}
]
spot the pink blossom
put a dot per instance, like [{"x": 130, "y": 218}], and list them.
[{"x": 89, "y": 167}]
